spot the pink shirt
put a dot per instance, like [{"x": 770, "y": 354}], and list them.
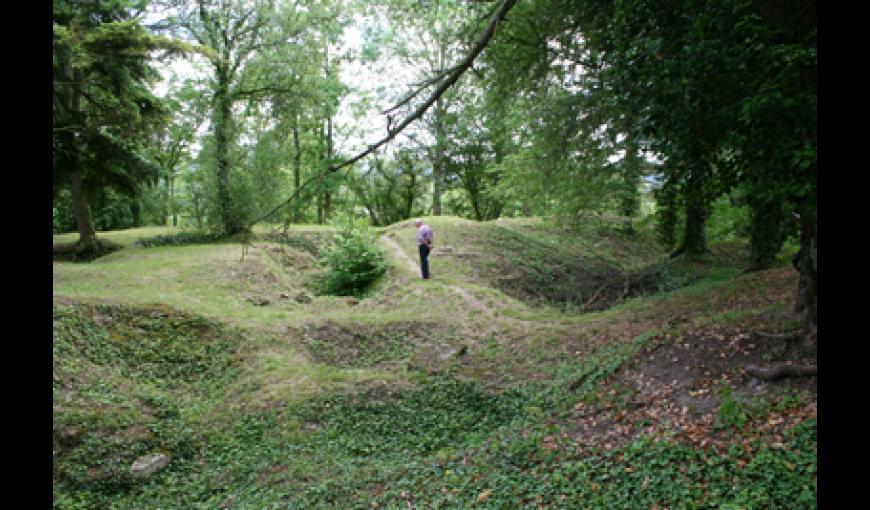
[{"x": 424, "y": 233}]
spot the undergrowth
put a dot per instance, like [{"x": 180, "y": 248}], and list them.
[
  {"x": 180, "y": 239},
  {"x": 353, "y": 260},
  {"x": 445, "y": 443}
]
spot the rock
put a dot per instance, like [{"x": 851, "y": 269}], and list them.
[
  {"x": 69, "y": 437},
  {"x": 259, "y": 300},
  {"x": 303, "y": 298},
  {"x": 284, "y": 296},
  {"x": 145, "y": 466}
]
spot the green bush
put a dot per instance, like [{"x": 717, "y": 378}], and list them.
[
  {"x": 729, "y": 219},
  {"x": 353, "y": 260}
]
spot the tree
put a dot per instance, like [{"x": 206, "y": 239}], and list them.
[
  {"x": 391, "y": 191},
  {"x": 444, "y": 83},
  {"x": 103, "y": 110},
  {"x": 430, "y": 38},
  {"x": 173, "y": 142},
  {"x": 253, "y": 45},
  {"x": 723, "y": 91}
]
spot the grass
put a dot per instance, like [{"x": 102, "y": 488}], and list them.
[
  {"x": 124, "y": 237},
  {"x": 350, "y": 404}
]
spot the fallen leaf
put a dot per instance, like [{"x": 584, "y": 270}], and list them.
[{"x": 483, "y": 496}]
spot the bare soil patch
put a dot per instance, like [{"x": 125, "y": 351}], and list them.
[{"x": 679, "y": 384}]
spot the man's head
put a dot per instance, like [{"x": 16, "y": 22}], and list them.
[{"x": 418, "y": 222}]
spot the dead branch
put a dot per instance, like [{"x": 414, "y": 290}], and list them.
[{"x": 594, "y": 296}]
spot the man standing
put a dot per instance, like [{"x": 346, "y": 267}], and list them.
[{"x": 424, "y": 244}]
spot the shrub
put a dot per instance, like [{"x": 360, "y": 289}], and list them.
[{"x": 353, "y": 260}]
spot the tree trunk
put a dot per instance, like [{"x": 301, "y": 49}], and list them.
[
  {"x": 666, "y": 214},
  {"x": 172, "y": 200},
  {"x": 409, "y": 194},
  {"x": 438, "y": 164},
  {"x": 164, "y": 211},
  {"x": 807, "y": 265},
  {"x": 327, "y": 195},
  {"x": 136, "y": 211},
  {"x": 222, "y": 146},
  {"x": 297, "y": 168},
  {"x": 319, "y": 133},
  {"x": 767, "y": 233},
  {"x": 320, "y": 208},
  {"x": 694, "y": 238},
  {"x": 84, "y": 221}
]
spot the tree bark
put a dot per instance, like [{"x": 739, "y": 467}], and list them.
[
  {"x": 222, "y": 143},
  {"x": 172, "y": 200},
  {"x": 297, "y": 168},
  {"x": 694, "y": 238},
  {"x": 409, "y": 194},
  {"x": 767, "y": 233},
  {"x": 136, "y": 211},
  {"x": 438, "y": 164},
  {"x": 84, "y": 221},
  {"x": 327, "y": 194},
  {"x": 164, "y": 211},
  {"x": 320, "y": 209},
  {"x": 807, "y": 265},
  {"x": 440, "y": 135}
]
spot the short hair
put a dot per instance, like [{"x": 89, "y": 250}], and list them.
[{"x": 418, "y": 221}]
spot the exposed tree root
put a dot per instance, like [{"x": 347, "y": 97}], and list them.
[
  {"x": 781, "y": 371},
  {"x": 84, "y": 252},
  {"x": 772, "y": 336}
]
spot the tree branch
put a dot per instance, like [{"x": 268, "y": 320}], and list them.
[
  {"x": 421, "y": 86},
  {"x": 459, "y": 69}
]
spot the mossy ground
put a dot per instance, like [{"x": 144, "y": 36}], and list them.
[{"x": 447, "y": 393}]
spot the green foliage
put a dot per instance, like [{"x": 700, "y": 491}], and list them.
[
  {"x": 391, "y": 191},
  {"x": 128, "y": 382},
  {"x": 729, "y": 219},
  {"x": 769, "y": 228},
  {"x": 732, "y": 412},
  {"x": 168, "y": 349},
  {"x": 353, "y": 259},
  {"x": 62, "y": 217},
  {"x": 443, "y": 413},
  {"x": 103, "y": 110}
]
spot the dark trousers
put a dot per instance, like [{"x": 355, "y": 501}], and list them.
[{"x": 424, "y": 260}]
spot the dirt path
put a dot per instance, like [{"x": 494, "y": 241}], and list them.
[
  {"x": 410, "y": 263},
  {"x": 414, "y": 268}
]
